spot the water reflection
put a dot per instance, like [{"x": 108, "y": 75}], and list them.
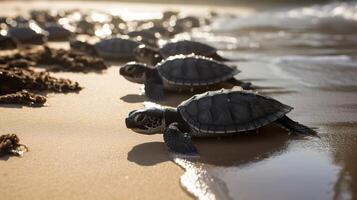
[
  {"x": 203, "y": 176},
  {"x": 343, "y": 145},
  {"x": 247, "y": 148},
  {"x": 243, "y": 149}
]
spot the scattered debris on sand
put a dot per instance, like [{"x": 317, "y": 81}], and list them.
[
  {"x": 16, "y": 79},
  {"x": 54, "y": 60},
  {"x": 23, "y": 98},
  {"x": 9, "y": 145},
  {"x": 17, "y": 86},
  {"x": 68, "y": 60}
]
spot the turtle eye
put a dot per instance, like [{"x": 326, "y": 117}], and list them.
[
  {"x": 131, "y": 112},
  {"x": 140, "y": 117},
  {"x": 130, "y": 69}
]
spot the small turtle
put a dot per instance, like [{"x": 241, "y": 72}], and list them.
[
  {"x": 85, "y": 27},
  {"x": 152, "y": 56},
  {"x": 153, "y": 27},
  {"x": 212, "y": 114},
  {"x": 168, "y": 14},
  {"x": 145, "y": 37},
  {"x": 185, "y": 24},
  {"x": 43, "y": 16},
  {"x": 180, "y": 72},
  {"x": 188, "y": 22},
  {"x": 113, "y": 48},
  {"x": 7, "y": 43},
  {"x": 57, "y": 32},
  {"x": 27, "y": 35}
]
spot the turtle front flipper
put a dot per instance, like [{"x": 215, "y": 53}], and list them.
[
  {"x": 295, "y": 127},
  {"x": 154, "y": 90},
  {"x": 179, "y": 142},
  {"x": 244, "y": 85}
]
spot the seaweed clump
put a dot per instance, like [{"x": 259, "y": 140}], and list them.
[
  {"x": 54, "y": 60},
  {"x": 15, "y": 79},
  {"x": 23, "y": 97},
  {"x": 17, "y": 86},
  {"x": 68, "y": 60},
  {"x": 10, "y": 145}
]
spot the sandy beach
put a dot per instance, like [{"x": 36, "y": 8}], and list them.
[{"x": 81, "y": 149}]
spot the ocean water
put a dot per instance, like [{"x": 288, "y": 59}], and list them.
[{"x": 308, "y": 55}]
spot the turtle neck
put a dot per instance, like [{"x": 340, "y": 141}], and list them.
[{"x": 171, "y": 115}]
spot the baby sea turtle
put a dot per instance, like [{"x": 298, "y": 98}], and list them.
[
  {"x": 57, "y": 32},
  {"x": 145, "y": 37},
  {"x": 112, "y": 49},
  {"x": 27, "y": 35},
  {"x": 152, "y": 56},
  {"x": 180, "y": 72},
  {"x": 212, "y": 114}
]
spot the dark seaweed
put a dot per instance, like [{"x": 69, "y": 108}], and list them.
[
  {"x": 10, "y": 145},
  {"x": 23, "y": 98}
]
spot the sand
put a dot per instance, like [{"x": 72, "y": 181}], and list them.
[{"x": 80, "y": 148}]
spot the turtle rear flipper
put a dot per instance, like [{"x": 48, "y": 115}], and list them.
[
  {"x": 295, "y": 127},
  {"x": 179, "y": 142},
  {"x": 154, "y": 90},
  {"x": 244, "y": 85},
  {"x": 219, "y": 58}
]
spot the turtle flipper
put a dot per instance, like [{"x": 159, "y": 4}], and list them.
[
  {"x": 154, "y": 90},
  {"x": 244, "y": 85},
  {"x": 219, "y": 58},
  {"x": 179, "y": 142},
  {"x": 295, "y": 127}
]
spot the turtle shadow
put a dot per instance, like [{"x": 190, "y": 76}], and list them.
[
  {"x": 12, "y": 106},
  {"x": 148, "y": 154},
  {"x": 133, "y": 98},
  {"x": 21, "y": 106},
  {"x": 171, "y": 99},
  {"x": 246, "y": 148}
]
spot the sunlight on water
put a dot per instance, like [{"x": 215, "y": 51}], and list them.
[
  {"x": 130, "y": 15},
  {"x": 308, "y": 170},
  {"x": 203, "y": 185},
  {"x": 104, "y": 31}
]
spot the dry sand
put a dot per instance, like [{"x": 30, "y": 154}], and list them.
[{"x": 81, "y": 149}]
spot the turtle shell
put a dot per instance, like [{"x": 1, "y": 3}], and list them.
[
  {"x": 27, "y": 35},
  {"x": 116, "y": 48},
  {"x": 192, "y": 70},
  {"x": 186, "y": 47},
  {"x": 227, "y": 111},
  {"x": 56, "y": 32}
]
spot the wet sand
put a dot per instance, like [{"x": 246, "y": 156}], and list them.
[{"x": 81, "y": 149}]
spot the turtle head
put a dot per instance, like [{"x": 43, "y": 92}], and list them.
[
  {"x": 134, "y": 72},
  {"x": 146, "y": 121},
  {"x": 146, "y": 54}
]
